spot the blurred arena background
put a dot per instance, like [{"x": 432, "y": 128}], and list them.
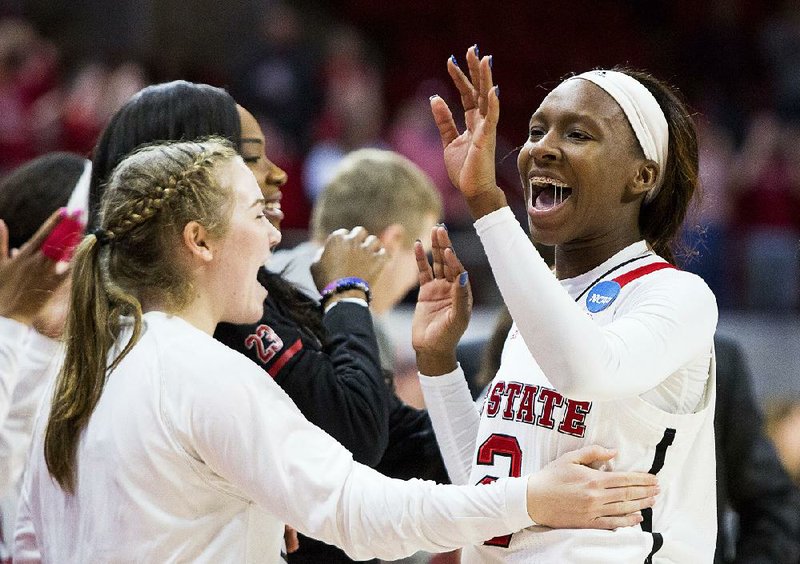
[{"x": 325, "y": 77}]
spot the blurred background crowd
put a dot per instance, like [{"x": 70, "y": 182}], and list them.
[{"x": 327, "y": 77}]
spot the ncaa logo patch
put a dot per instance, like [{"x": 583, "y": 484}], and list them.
[{"x": 602, "y": 295}]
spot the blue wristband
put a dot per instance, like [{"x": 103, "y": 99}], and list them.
[{"x": 344, "y": 284}]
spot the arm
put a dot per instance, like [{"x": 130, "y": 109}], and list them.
[
  {"x": 26, "y": 544},
  {"x": 38, "y": 365},
  {"x": 758, "y": 488},
  {"x": 12, "y": 338},
  {"x": 672, "y": 322},
  {"x": 441, "y": 316},
  {"x": 305, "y": 478},
  {"x": 455, "y": 419},
  {"x": 412, "y": 451}
]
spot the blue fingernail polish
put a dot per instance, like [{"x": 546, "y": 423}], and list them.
[
  {"x": 463, "y": 278},
  {"x": 490, "y": 60},
  {"x": 453, "y": 59},
  {"x": 477, "y": 53},
  {"x": 443, "y": 225},
  {"x": 497, "y": 91},
  {"x": 434, "y": 96}
]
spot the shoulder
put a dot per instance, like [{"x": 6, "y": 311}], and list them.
[
  {"x": 671, "y": 285},
  {"x": 198, "y": 369}
]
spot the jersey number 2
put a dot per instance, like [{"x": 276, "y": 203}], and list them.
[{"x": 500, "y": 445}]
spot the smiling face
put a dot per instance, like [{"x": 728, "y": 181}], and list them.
[
  {"x": 270, "y": 177},
  {"x": 244, "y": 248},
  {"x": 581, "y": 169}
]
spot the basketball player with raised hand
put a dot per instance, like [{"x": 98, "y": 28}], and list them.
[{"x": 614, "y": 348}]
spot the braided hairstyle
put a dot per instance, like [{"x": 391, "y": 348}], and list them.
[{"x": 150, "y": 197}]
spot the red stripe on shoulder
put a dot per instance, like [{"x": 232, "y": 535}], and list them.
[
  {"x": 623, "y": 279},
  {"x": 285, "y": 357}
]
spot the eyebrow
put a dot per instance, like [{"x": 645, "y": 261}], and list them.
[
  {"x": 252, "y": 140},
  {"x": 570, "y": 117}
]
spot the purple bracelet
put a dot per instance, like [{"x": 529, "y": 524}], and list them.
[{"x": 342, "y": 285}]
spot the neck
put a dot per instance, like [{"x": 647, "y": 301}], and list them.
[
  {"x": 578, "y": 257},
  {"x": 195, "y": 313}
]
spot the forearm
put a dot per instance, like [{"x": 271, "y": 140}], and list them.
[
  {"x": 308, "y": 480},
  {"x": 455, "y": 420},
  {"x": 342, "y": 389},
  {"x": 12, "y": 338}
]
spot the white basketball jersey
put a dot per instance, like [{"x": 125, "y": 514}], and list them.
[{"x": 526, "y": 423}]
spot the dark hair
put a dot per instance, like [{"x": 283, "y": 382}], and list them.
[
  {"x": 660, "y": 220},
  {"x": 32, "y": 192},
  {"x": 172, "y": 111},
  {"x": 176, "y": 111}
]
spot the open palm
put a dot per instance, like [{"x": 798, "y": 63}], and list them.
[
  {"x": 444, "y": 303},
  {"x": 469, "y": 157}
]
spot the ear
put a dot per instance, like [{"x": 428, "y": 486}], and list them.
[
  {"x": 196, "y": 240},
  {"x": 393, "y": 237},
  {"x": 644, "y": 179}
]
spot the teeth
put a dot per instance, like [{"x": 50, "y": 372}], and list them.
[
  {"x": 273, "y": 205},
  {"x": 545, "y": 181}
]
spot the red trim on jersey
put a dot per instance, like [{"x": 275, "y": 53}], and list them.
[
  {"x": 285, "y": 357},
  {"x": 641, "y": 271}
]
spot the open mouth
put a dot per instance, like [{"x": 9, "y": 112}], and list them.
[{"x": 547, "y": 193}]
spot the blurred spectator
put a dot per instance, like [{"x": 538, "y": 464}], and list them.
[
  {"x": 354, "y": 107},
  {"x": 94, "y": 95},
  {"x": 277, "y": 78},
  {"x": 414, "y": 135},
  {"x": 28, "y": 70},
  {"x": 783, "y": 427},
  {"x": 758, "y": 506},
  {"x": 706, "y": 234},
  {"x": 766, "y": 184},
  {"x": 780, "y": 41}
]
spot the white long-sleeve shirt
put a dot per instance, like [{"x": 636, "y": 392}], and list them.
[
  {"x": 194, "y": 454},
  {"x": 636, "y": 375},
  {"x": 28, "y": 360}
]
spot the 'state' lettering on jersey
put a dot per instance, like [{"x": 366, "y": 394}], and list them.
[{"x": 537, "y": 405}]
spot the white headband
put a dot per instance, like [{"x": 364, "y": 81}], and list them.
[
  {"x": 643, "y": 112},
  {"x": 79, "y": 199}
]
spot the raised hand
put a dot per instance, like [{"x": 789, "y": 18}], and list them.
[
  {"x": 349, "y": 253},
  {"x": 28, "y": 278},
  {"x": 444, "y": 306},
  {"x": 569, "y": 494},
  {"x": 470, "y": 156}
]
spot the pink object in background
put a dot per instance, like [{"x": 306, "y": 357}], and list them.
[{"x": 65, "y": 236}]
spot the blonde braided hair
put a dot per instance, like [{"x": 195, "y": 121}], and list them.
[{"x": 152, "y": 194}]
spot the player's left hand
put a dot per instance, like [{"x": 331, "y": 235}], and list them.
[
  {"x": 469, "y": 156},
  {"x": 444, "y": 305}
]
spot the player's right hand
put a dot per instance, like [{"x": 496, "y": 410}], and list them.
[
  {"x": 28, "y": 278},
  {"x": 349, "y": 253},
  {"x": 568, "y": 494}
]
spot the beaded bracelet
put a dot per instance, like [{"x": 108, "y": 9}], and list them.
[{"x": 342, "y": 285}]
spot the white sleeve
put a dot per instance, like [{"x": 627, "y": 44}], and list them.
[
  {"x": 455, "y": 421},
  {"x": 26, "y": 544},
  {"x": 251, "y": 434},
  {"x": 38, "y": 364},
  {"x": 670, "y": 325},
  {"x": 12, "y": 338}
]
